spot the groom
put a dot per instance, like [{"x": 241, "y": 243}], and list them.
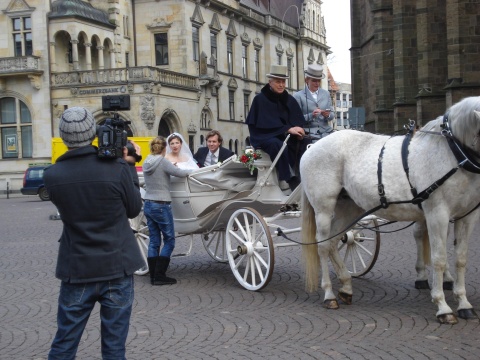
[{"x": 213, "y": 152}]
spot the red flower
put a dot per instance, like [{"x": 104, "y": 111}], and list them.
[{"x": 244, "y": 158}]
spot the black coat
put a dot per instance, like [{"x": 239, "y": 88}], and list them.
[
  {"x": 95, "y": 198},
  {"x": 201, "y": 155},
  {"x": 272, "y": 114}
]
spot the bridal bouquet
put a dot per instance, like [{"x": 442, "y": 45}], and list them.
[{"x": 248, "y": 158}]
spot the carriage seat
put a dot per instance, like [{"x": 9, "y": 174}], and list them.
[{"x": 229, "y": 175}]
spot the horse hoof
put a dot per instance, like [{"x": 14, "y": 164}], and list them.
[
  {"x": 422, "y": 285},
  {"x": 331, "y": 304},
  {"x": 345, "y": 298},
  {"x": 448, "y": 285},
  {"x": 467, "y": 314},
  {"x": 447, "y": 319}
]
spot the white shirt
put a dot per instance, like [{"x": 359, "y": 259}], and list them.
[{"x": 314, "y": 94}]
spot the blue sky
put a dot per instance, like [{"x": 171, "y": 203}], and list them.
[{"x": 336, "y": 14}]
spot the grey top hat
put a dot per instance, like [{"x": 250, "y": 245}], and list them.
[
  {"x": 314, "y": 71},
  {"x": 278, "y": 71}
]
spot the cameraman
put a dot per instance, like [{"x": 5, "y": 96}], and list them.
[{"x": 98, "y": 253}]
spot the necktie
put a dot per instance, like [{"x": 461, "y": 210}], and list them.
[{"x": 213, "y": 159}]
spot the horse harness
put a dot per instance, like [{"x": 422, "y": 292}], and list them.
[{"x": 463, "y": 156}]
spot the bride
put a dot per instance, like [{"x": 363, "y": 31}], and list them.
[{"x": 179, "y": 155}]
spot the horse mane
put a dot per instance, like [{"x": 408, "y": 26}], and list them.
[{"x": 463, "y": 122}]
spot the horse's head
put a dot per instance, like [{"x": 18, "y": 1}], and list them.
[{"x": 464, "y": 118}]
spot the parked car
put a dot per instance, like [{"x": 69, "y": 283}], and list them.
[{"x": 33, "y": 182}]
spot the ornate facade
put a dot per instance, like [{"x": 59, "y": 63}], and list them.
[{"x": 188, "y": 66}]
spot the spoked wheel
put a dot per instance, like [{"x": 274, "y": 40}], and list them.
[
  {"x": 214, "y": 243},
  {"x": 250, "y": 249},
  {"x": 140, "y": 229},
  {"x": 359, "y": 247}
]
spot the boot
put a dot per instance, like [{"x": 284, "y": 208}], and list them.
[
  {"x": 160, "y": 270},
  {"x": 151, "y": 268}
]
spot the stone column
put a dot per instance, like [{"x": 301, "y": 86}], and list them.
[
  {"x": 75, "y": 54},
  {"x": 462, "y": 36},
  {"x": 53, "y": 60},
  {"x": 432, "y": 59},
  {"x": 383, "y": 58},
  {"x": 405, "y": 62},
  {"x": 88, "y": 54},
  {"x": 112, "y": 59},
  {"x": 101, "y": 65}
]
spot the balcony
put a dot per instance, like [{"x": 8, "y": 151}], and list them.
[
  {"x": 19, "y": 65},
  {"x": 123, "y": 76},
  {"x": 22, "y": 66}
]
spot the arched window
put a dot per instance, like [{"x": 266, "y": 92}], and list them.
[
  {"x": 230, "y": 145},
  {"x": 16, "y": 129}
]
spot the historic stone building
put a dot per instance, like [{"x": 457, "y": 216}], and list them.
[
  {"x": 412, "y": 59},
  {"x": 188, "y": 66}
]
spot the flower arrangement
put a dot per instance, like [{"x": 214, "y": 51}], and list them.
[{"x": 248, "y": 157}]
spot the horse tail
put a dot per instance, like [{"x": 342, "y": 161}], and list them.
[
  {"x": 427, "y": 260},
  {"x": 310, "y": 252}
]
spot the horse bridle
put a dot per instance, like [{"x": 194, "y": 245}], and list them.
[
  {"x": 464, "y": 159},
  {"x": 462, "y": 154}
]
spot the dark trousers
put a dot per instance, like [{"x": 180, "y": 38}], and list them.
[
  {"x": 76, "y": 302},
  {"x": 289, "y": 161}
]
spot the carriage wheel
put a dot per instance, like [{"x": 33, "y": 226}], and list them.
[
  {"x": 249, "y": 249},
  {"x": 140, "y": 230},
  {"x": 214, "y": 243},
  {"x": 359, "y": 247}
]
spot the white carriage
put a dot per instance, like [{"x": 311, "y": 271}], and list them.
[{"x": 239, "y": 214}]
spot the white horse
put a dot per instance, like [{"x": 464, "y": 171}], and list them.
[{"x": 348, "y": 172}]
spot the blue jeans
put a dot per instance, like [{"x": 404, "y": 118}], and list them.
[
  {"x": 75, "y": 303},
  {"x": 160, "y": 222}
]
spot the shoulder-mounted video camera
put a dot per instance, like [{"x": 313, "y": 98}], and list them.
[{"x": 112, "y": 135}]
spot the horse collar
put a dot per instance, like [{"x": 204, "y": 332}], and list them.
[{"x": 462, "y": 154}]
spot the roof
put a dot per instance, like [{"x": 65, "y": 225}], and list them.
[{"x": 79, "y": 9}]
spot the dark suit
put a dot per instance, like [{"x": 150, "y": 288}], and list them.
[{"x": 201, "y": 155}]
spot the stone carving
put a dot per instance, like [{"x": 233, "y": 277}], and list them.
[
  {"x": 245, "y": 38},
  {"x": 148, "y": 88},
  {"x": 158, "y": 23},
  {"x": 147, "y": 110},
  {"x": 191, "y": 127}
]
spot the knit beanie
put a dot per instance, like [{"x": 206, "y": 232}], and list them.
[{"x": 77, "y": 127}]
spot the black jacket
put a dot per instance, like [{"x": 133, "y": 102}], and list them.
[
  {"x": 95, "y": 198},
  {"x": 272, "y": 114},
  {"x": 201, "y": 155}
]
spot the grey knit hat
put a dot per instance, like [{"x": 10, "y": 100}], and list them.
[{"x": 77, "y": 127}]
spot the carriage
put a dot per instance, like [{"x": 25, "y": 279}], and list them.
[{"x": 239, "y": 213}]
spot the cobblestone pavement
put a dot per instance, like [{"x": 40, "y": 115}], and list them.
[{"x": 208, "y": 315}]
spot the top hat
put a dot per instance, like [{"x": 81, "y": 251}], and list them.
[
  {"x": 314, "y": 71},
  {"x": 278, "y": 71}
]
